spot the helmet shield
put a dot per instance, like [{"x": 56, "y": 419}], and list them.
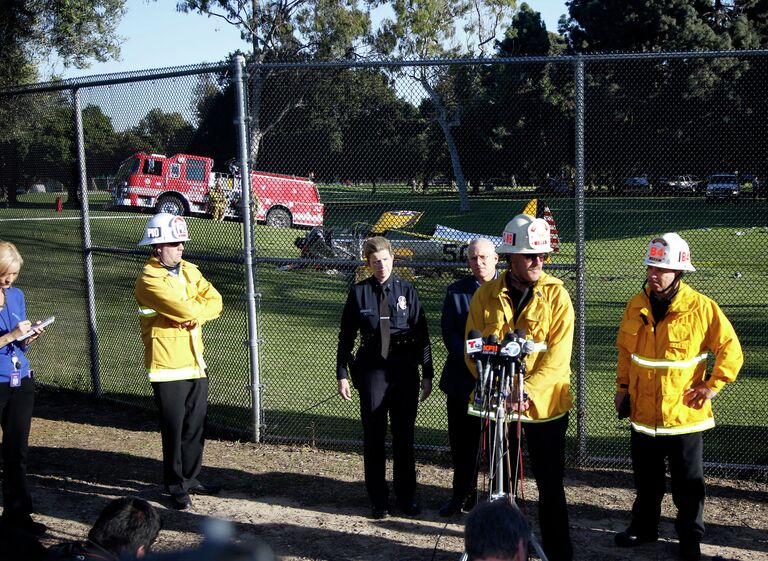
[
  {"x": 669, "y": 251},
  {"x": 525, "y": 234}
]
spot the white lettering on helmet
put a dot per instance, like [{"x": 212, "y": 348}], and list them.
[{"x": 153, "y": 232}]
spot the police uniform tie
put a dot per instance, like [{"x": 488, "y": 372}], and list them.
[{"x": 384, "y": 321}]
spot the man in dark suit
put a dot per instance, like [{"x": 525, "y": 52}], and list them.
[{"x": 457, "y": 382}]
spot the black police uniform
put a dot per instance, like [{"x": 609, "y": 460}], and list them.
[
  {"x": 457, "y": 383},
  {"x": 387, "y": 386}
]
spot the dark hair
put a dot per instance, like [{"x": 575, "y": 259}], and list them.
[
  {"x": 495, "y": 529},
  {"x": 126, "y": 524}
]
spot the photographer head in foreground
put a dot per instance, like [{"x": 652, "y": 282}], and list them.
[
  {"x": 496, "y": 531},
  {"x": 125, "y": 529}
]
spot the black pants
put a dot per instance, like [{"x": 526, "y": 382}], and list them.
[
  {"x": 546, "y": 450},
  {"x": 16, "y": 405},
  {"x": 464, "y": 439},
  {"x": 389, "y": 389},
  {"x": 182, "y": 406},
  {"x": 685, "y": 455}
]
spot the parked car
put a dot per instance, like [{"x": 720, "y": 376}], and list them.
[
  {"x": 723, "y": 186},
  {"x": 636, "y": 183},
  {"x": 554, "y": 186},
  {"x": 679, "y": 184},
  {"x": 440, "y": 181}
]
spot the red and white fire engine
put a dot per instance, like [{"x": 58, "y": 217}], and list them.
[{"x": 185, "y": 184}]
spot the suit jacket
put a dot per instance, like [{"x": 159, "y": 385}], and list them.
[
  {"x": 456, "y": 380},
  {"x": 361, "y": 314}
]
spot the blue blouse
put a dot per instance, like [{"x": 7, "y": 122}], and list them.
[{"x": 14, "y": 311}]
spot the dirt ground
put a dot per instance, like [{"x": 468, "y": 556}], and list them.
[{"x": 310, "y": 504}]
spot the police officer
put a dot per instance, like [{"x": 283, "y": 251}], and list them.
[
  {"x": 175, "y": 300},
  {"x": 394, "y": 341},
  {"x": 665, "y": 336},
  {"x": 457, "y": 381},
  {"x": 528, "y": 299}
]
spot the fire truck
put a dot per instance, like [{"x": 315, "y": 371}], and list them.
[{"x": 185, "y": 184}]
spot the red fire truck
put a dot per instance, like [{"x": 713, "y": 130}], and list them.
[{"x": 186, "y": 184}]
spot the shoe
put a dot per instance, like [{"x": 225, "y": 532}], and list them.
[
  {"x": 628, "y": 538},
  {"x": 470, "y": 502},
  {"x": 26, "y": 525},
  {"x": 450, "y": 508},
  {"x": 202, "y": 489},
  {"x": 690, "y": 550},
  {"x": 409, "y": 508},
  {"x": 379, "y": 512},
  {"x": 181, "y": 501}
]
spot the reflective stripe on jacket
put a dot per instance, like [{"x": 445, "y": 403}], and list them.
[
  {"x": 165, "y": 300},
  {"x": 548, "y": 320},
  {"x": 658, "y": 362}
]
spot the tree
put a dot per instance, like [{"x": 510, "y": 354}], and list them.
[
  {"x": 534, "y": 120},
  {"x": 286, "y": 31},
  {"x": 656, "y": 114},
  {"x": 32, "y": 31},
  {"x": 426, "y": 29},
  {"x": 163, "y": 132}
]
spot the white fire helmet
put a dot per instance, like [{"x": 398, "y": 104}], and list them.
[
  {"x": 525, "y": 234},
  {"x": 165, "y": 228},
  {"x": 669, "y": 251}
]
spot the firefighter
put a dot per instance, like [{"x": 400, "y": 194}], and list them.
[
  {"x": 665, "y": 336},
  {"x": 394, "y": 341},
  {"x": 528, "y": 299},
  {"x": 218, "y": 199},
  {"x": 175, "y": 300}
]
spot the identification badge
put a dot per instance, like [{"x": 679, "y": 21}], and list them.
[{"x": 15, "y": 375}]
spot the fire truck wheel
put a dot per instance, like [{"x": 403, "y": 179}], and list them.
[
  {"x": 171, "y": 205},
  {"x": 279, "y": 217}
]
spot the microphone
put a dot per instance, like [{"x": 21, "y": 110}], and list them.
[
  {"x": 527, "y": 346},
  {"x": 510, "y": 347},
  {"x": 490, "y": 352},
  {"x": 475, "y": 350}
]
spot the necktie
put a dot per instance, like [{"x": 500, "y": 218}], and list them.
[{"x": 384, "y": 322}]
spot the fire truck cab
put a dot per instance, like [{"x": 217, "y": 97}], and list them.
[{"x": 186, "y": 184}]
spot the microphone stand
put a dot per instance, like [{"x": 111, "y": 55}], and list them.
[{"x": 514, "y": 371}]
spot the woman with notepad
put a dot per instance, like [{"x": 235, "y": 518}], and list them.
[{"x": 17, "y": 394}]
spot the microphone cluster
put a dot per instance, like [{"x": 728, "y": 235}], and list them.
[{"x": 498, "y": 362}]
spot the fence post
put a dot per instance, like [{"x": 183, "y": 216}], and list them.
[
  {"x": 245, "y": 198},
  {"x": 86, "y": 235},
  {"x": 580, "y": 335}
]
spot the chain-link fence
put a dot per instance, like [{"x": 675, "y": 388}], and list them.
[{"x": 428, "y": 153}]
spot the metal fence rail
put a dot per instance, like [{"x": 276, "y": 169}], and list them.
[{"x": 619, "y": 147}]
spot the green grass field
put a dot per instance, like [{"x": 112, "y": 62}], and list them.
[{"x": 299, "y": 308}]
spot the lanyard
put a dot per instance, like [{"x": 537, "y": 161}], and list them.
[{"x": 7, "y": 324}]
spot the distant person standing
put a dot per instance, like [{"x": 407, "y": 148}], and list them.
[
  {"x": 665, "y": 336},
  {"x": 457, "y": 382},
  {"x": 17, "y": 395},
  {"x": 387, "y": 313},
  {"x": 175, "y": 300}
]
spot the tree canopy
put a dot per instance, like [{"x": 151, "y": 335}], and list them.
[{"x": 75, "y": 33}]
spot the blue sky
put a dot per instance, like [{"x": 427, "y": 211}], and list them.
[{"x": 157, "y": 36}]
